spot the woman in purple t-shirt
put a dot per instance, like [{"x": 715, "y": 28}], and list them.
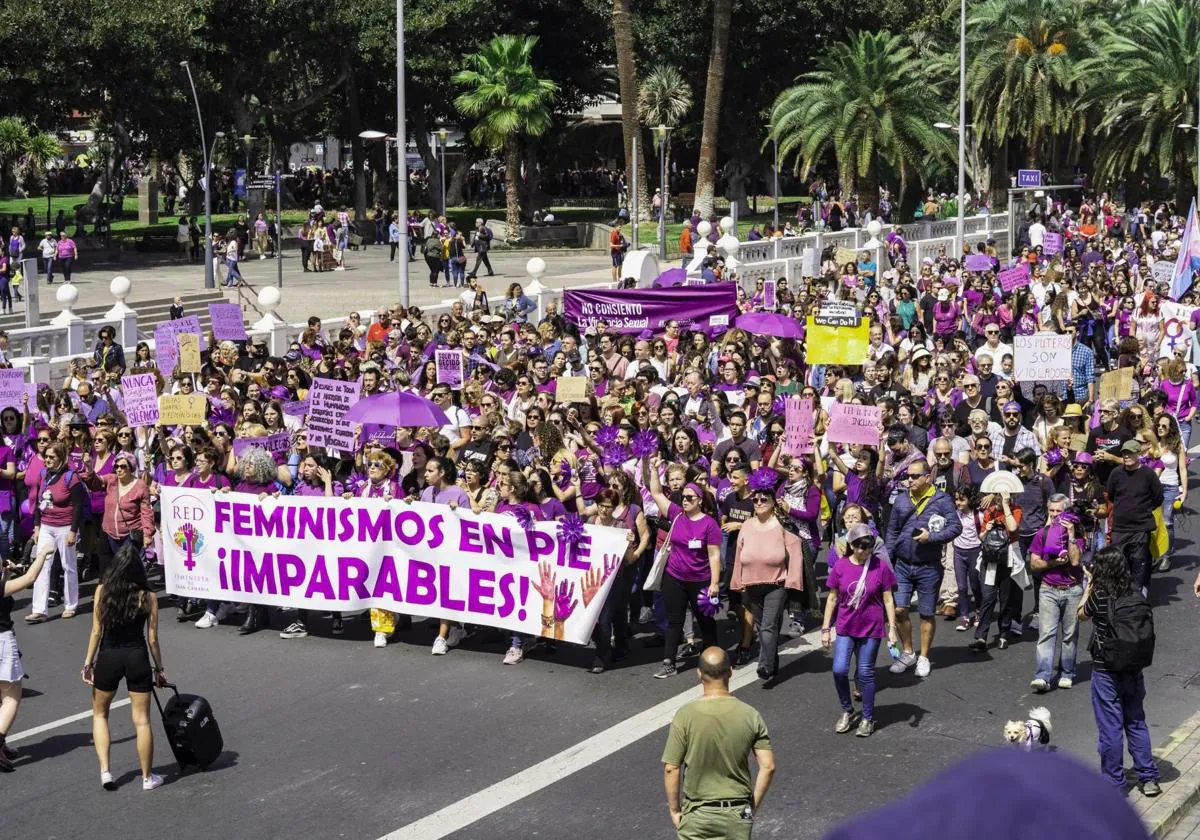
[
  {"x": 694, "y": 564},
  {"x": 860, "y": 590}
]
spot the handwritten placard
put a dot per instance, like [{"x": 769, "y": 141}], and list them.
[
  {"x": 570, "y": 389},
  {"x": 798, "y": 426},
  {"x": 329, "y": 399},
  {"x": 182, "y": 409},
  {"x": 189, "y": 352},
  {"x": 141, "y": 398},
  {"x": 849, "y": 423},
  {"x": 843, "y": 256},
  {"x": 449, "y": 367},
  {"x": 978, "y": 262},
  {"x": 768, "y": 294},
  {"x": 1042, "y": 357},
  {"x": 1015, "y": 277},
  {"x": 277, "y": 444},
  {"x": 166, "y": 345},
  {"x": 1163, "y": 271},
  {"x": 295, "y": 408},
  {"x": 1052, "y": 243},
  {"x": 12, "y": 389},
  {"x": 227, "y": 324},
  {"x": 1117, "y": 384}
]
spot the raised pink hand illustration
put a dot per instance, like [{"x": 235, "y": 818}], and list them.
[
  {"x": 544, "y": 585},
  {"x": 594, "y": 578}
]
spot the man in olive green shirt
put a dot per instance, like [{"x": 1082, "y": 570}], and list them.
[{"x": 713, "y": 737}]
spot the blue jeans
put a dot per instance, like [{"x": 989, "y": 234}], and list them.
[
  {"x": 1170, "y": 494},
  {"x": 1057, "y": 623},
  {"x": 1117, "y": 704},
  {"x": 867, "y": 649},
  {"x": 1185, "y": 432}
]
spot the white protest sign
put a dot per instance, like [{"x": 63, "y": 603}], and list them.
[{"x": 1042, "y": 357}]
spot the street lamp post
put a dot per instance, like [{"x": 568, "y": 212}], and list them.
[
  {"x": 209, "y": 279},
  {"x": 960, "y": 224},
  {"x": 442, "y": 134},
  {"x": 401, "y": 155},
  {"x": 664, "y": 131},
  {"x": 775, "y": 178}
]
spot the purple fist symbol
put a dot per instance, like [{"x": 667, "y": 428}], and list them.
[
  {"x": 564, "y": 603},
  {"x": 189, "y": 543}
]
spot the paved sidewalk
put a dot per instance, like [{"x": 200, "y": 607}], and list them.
[
  {"x": 1175, "y": 814},
  {"x": 368, "y": 282}
]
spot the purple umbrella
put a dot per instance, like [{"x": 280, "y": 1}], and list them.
[
  {"x": 770, "y": 323},
  {"x": 396, "y": 408},
  {"x": 671, "y": 277}
]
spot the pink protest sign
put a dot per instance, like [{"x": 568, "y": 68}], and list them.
[
  {"x": 141, "y": 398},
  {"x": 798, "y": 426},
  {"x": 849, "y": 423},
  {"x": 768, "y": 294},
  {"x": 1015, "y": 277},
  {"x": 978, "y": 262},
  {"x": 227, "y": 322},
  {"x": 1052, "y": 243}
]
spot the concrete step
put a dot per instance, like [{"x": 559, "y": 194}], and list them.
[{"x": 150, "y": 312}]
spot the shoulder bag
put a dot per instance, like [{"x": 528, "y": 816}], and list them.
[{"x": 654, "y": 579}]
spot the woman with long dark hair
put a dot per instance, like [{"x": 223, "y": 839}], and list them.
[
  {"x": 11, "y": 672},
  {"x": 1117, "y": 696},
  {"x": 122, "y": 646}
]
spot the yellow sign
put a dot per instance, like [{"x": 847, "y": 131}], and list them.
[
  {"x": 570, "y": 389},
  {"x": 844, "y": 255},
  {"x": 836, "y": 345},
  {"x": 182, "y": 409},
  {"x": 1117, "y": 384},
  {"x": 189, "y": 353}
]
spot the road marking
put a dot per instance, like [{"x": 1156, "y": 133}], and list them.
[
  {"x": 460, "y": 814},
  {"x": 55, "y": 724}
]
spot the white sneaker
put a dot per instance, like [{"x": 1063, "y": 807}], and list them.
[
  {"x": 455, "y": 637},
  {"x": 151, "y": 782},
  {"x": 514, "y": 656},
  {"x": 923, "y": 666},
  {"x": 906, "y": 661},
  {"x": 439, "y": 647},
  {"x": 1065, "y": 682},
  {"x": 645, "y": 616},
  {"x": 207, "y": 620},
  {"x": 262, "y": 256},
  {"x": 381, "y": 640},
  {"x": 225, "y": 611},
  {"x": 106, "y": 781}
]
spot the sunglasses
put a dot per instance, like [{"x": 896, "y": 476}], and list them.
[
  {"x": 375, "y": 465},
  {"x": 862, "y": 545},
  {"x": 690, "y": 497},
  {"x": 1012, "y": 414},
  {"x": 762, "y": 500},
  {"x": 121, "y": 465},
  {"x": 43, "y": 440}
]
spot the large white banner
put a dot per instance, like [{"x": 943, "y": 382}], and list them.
[{"x": 419, "y": 559}]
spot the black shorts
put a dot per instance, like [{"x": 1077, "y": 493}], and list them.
[{"x": 129, "y": 663}]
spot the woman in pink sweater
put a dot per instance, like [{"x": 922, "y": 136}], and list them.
[
  {"x": 768, "y": 561},
  {"x": 126, "y": 502}
]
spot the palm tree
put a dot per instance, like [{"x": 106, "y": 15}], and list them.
[
  {"x": 627, "y": 84},
  {"x": 1021, "y": 77},
  {"x": 25, "y": 153},
  {"x": 1143, "y": 82},
  {"x": 14, "y": 140},
  {"x": 509, "y": 101},
  {"x": 706, "y": 167},
  {"x": 869, "y": 103},
  {"x": 663, "y": 99}
]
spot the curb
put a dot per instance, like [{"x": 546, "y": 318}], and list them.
[{"x": 1162, "y": 813}]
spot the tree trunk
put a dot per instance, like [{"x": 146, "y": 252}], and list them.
[
  {"x": 356, "y": 148},
  {"x": 706, "y": 169},
  {"x": 512, "y": 165},
  {"x": 458, "y": 180},
  {"x": 630, "y": 127},
  {"x": 868, "y": 192},
  {"x": 381, "y": 179}
]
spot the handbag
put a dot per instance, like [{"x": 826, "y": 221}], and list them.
[{"x": 654, "y": 579}]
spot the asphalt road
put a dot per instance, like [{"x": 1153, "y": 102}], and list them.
[{"x": 328, "y": 737}]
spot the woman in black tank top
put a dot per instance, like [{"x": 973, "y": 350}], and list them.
[{"x": 123, "y": 642}]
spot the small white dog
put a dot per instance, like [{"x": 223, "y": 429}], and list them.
[{"x": 1030, "y": 732}]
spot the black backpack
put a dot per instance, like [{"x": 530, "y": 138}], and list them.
[
  {"x": 995, "y": 546},
  {"x": 1131, "y": 646}
]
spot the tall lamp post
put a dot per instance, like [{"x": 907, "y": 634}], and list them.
[
  {"x": 960, "y": 224},
  {"x": 963, "y": 197},
  {"x": 209, "y": 280},
  {"x": 775, "y": 175},
  {"x": 442, "y": 134},
  {"x": 401, "y": 155},
  {"x": 664, "y": 132}
]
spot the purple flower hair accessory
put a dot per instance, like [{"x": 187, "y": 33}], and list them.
[
  {"x": 763, "y": 478},
  {"x": 614, "y": 455},
  {"x": 606, "y": 435},
  {"x": 644, "y": 443}
]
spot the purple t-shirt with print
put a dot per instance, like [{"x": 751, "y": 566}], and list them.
[{"x": 690, "y": 540}]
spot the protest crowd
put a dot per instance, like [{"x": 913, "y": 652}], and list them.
[{"x": 992, "y": 446}]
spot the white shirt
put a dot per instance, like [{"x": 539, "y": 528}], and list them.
[
  {"x": 1037, "y": 233},
  {"x": 49, "y": 247},
  {"x": 997, "y": 353}
]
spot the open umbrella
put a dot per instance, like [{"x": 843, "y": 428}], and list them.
[
  {"x": 396, "y": 408},
  {"x": 671, "y": 277},
  {"x": 770, "y": 323}
]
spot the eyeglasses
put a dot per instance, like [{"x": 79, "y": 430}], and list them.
[
  {"x": 914, "y": 476},
  {"x": 690, "y": 497},
  {"x": 863, "y": 544},
  {"x": 1012, "y": 414},
  {"x": 220, "y": 433},
  {"x": 941, "y": 454},
  {"x": 121, "y": 465},
  {"x": 970, "y": 385},
  {"x": 762, "y": 500},
  {"x": 375, "y": 465},
  {"x": 124, "y": 434},
  {"x": 982, "y": 446},
  {"x": 176, "y": 459}
]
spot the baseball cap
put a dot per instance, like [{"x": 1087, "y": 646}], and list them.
[{"x": 1131, "y": 447}]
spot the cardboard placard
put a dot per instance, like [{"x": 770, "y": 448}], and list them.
[
  {"x": 1012, "y": 278},
  {"x": 329, "y": 399},
  {"x": 844, "y": 255},
  {"x": 227, "y": 323},
  {"x": 798, "y": 426},
  {"x": 449, "y": 367},
  {"x": 182, "y": 409},
  {"x": 978, "y": 262},
  {"x": 768, "y": 294},
  {"x": 570, "y": 389},
  {"x": 277, "y": 444},
  {"x": 141, "y": 398},
  {"x": 189, "y": 353},
  {"x": 836, "y": 345},
  {"x": 1052, "y": 243},
  {"x": 1117, "y": 384},
  {"x": 12, "y": 389}
]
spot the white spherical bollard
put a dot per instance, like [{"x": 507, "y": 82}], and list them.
[
  {"x": 67, "y": 295},
  {"x": 269, "y": 297},
  {"x": 874, "y": 227},
  {"x": 120, "y": 287},
  {"x": 727, "y": 224},
  {"x": 536, "y": 267},
  {"x": 703, "y": 229}
]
